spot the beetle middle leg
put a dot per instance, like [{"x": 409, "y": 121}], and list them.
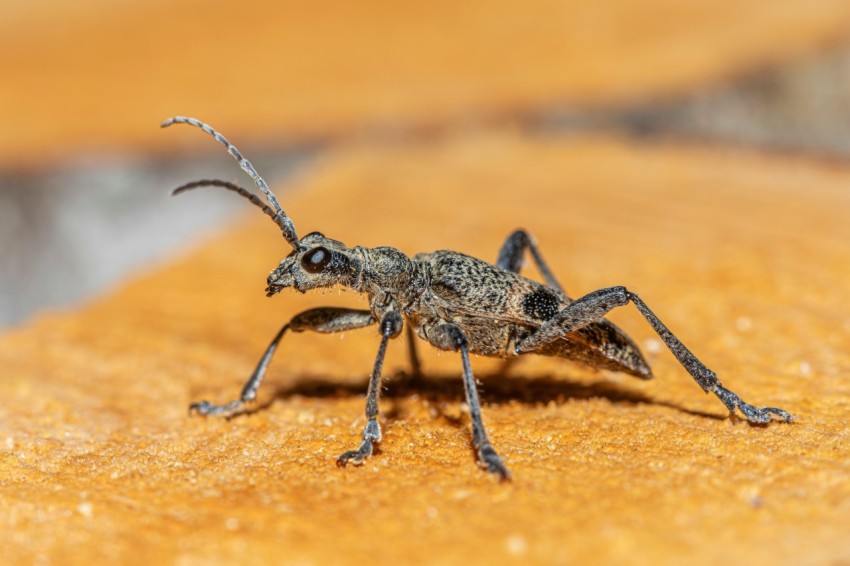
[
  {"x": 597, "y": 304},
  {"x": 413, "y": 354},
  {"x": 447, "y": 336},
  {"x": 324, "y": 319}
]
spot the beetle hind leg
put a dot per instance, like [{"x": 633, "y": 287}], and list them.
[
  {"x": 756, "y": 415},
  {"x": 593, "y": 306}
]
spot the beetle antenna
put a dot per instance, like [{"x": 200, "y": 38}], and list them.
[
  {"x": 235, "y": 188},
  {"x": 287, "y": 227}
]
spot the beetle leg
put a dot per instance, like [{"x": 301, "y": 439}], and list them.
[
  {"x": 449, "y": 336},
  {"x": 391, "y": 324},
  {"x": 597, "y": 304},
  {"x": 324, "y": 320},
  {"x": 412, "y": 354},
  {"x": 510, "y": 256}
]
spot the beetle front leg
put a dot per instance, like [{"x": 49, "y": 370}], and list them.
[
  {"x": 597, "y": 304},
  {"x": 391, "y": 325},
  {"x": 324, "y": 319}
]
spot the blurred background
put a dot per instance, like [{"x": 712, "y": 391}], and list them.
[{"x": 85, "y": 171}]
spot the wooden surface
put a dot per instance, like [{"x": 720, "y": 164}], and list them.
[
  {"x": 744, "y": 256},
  {"x": 95, "y": 77}
]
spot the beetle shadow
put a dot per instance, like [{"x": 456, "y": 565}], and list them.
[{"x": 495, "y": 388}]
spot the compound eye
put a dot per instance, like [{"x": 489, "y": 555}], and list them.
[{"x": 316, "y": 259}]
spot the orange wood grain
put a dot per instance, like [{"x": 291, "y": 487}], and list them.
[
  {"x": 744, "y": 256},
  {"x": 99, "y": 77}
]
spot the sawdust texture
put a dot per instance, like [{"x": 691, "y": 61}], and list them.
[
  {"x": 744, "y": 256},
  {"x": 93, "y": 76}
]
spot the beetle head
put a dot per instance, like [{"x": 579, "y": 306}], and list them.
[{"x": 319, "y": 262}]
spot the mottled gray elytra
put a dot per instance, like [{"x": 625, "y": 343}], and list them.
[{"x": 454, "y": 302}]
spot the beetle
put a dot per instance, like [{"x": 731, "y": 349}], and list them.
[{"x": 454, "y": 302}]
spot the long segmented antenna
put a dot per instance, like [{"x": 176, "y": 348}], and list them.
[
  {"x": 287, "y": 227},
  {"x": 235, "y": 188}
]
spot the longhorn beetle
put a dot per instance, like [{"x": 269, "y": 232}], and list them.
[{"x": 454, "y": 302}]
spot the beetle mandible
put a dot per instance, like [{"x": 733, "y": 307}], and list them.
[{"x": 454, "y": 302}]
